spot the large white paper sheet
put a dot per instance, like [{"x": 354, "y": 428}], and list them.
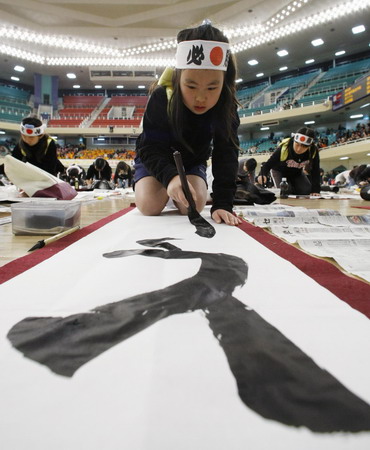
[{"x": 168, "y": 386}]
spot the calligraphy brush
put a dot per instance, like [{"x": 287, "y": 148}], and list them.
[
  {"x": 204, "y": 228},
  {"x": 51, "y": 239}
]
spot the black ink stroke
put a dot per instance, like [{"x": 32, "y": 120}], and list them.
[{"x": 274, "y": 377}]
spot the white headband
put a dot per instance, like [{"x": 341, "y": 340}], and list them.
[
  {"x": 202, "y": 55},
  {"x": 302, "y": 139},
  {"x": 30, "y": 130}
]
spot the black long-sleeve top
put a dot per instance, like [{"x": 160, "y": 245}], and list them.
[
  {"x": 42, "y": 155},
  {"x": 293, "y": 165},
  {"x": 104, "y": 174},
  {"x": 156, "y": 144}
]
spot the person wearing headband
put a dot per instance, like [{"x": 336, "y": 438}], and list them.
[
  {"x": 296, "y": 159},
  {"x": 193, "y": 110},
  {"x": 36, "y": 147}
]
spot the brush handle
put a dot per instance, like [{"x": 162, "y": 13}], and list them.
[{"x": 184, "y": 180}]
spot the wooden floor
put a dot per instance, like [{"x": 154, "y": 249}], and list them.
[{"x": 13, "y": 247}]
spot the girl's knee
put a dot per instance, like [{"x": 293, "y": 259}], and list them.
[{"x": 149, "y": 208}]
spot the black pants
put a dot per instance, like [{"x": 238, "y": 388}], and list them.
[{"x": 298, "y": 185}]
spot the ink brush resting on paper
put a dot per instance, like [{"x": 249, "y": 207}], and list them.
[
  {"x": 204, "y": 228},
  {"x": 43, "y": 242}
]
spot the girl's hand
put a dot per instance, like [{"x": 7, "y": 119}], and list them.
[
  {"x": 221, "y": 215},
  {"x": 175, "y": 191}
]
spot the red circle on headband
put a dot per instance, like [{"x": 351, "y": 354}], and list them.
[
  {"x": 216, "y": 56},
  {"x": 29, "y": 131},
  {"x": 302, "y": 139}
]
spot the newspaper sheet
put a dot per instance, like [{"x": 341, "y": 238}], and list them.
[
  {"x": 294, "y": 233},
  {"x": 353, "y": 255}
]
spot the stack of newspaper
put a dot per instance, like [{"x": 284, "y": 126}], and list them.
[{"x": 321, "y": 232}]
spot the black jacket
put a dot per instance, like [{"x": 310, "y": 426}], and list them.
[
  {"x": 42, "y": 155},
  {"x": 294, "y": 163},
  {"x": 156, "y": 144}
]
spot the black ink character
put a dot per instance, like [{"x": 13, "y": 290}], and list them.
[
  {"x": 195, "y": 55},
  {"x": 227, "y": 57},
  {"x": 274, "y": 377}
]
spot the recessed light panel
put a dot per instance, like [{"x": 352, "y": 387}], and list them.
[
  {"x": 317, "y": 42},
  {"x": 282, "y": 53},
  {"x": 358, "y": 29}
]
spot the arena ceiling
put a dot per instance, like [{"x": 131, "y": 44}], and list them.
[{"x": 139, "y": 34}]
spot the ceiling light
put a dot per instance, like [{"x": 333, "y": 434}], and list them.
[
  {"x": 98, "y": 86},
  {"x": 341, "y": 52},
  {"x": 120, "y": 86},
  {"x": 309, "y": 61},
  {"x": 309, "y": 122},
  {"x": 71, "y": 76},
  {"x": 317, "y": 42},
  {"x": 365, "y": 105},
  {"x": 252, "y": 62},
  {"x": 19, "y": 68},
  {"x": 356, "y": 116},
  {"x": 14, "y": 78},
  {"x": 282, "y": 53},
  {"x": 141, "y": 86},
  {"x": 283, "y": 68},
  {"x": 2, "y": 132},
  {"x": 358, "y": 29},
  {"x": 261, "y": 74},
  {"x": 344, "y": 157},
  {"x": 264, "y": 128},
  {"x": 76, "y": 86}
]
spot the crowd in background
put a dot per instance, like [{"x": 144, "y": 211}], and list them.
[
  {"x": 331, "y": 137},
  {"x": 80, "y": 152}
]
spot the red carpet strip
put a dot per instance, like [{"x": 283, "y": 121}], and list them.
[{"x": 351, "y": 290}]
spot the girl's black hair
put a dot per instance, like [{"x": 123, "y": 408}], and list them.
[
  {"x": 307, "y": 132},
  {"x": 122, "y": 165},
  {"x": 312, "y": 148},
  {"x": 226, "y": 108},
  {"x": 32, "y": 120},
  {"x": 356, "y": 173},
  {"x": 37, "y": 151}
]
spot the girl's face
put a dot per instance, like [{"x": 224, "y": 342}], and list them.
[
  {"x": 299, "y": 148},
  {"x": 31, "y": 140},
  {"x": 201, "y": 88}
]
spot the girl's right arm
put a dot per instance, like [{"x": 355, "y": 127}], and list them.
[
  {"x": 154, "y": 145},
  {"x": 271, "y": 163}
]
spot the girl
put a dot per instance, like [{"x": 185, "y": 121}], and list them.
[
  {"x": 296, "y": 159},
  {"x": 123, "y": 175},
  {"x": 193, "y": 111},
  {"x": 36, "y": 147}
]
